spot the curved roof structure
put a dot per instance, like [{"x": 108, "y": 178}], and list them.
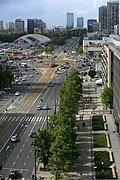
[{"x": 32, "y": 39}]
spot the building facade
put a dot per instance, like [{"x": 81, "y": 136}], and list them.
[
  {"x": 30, "y": 26},
  {"x": 103, "y": 19},
  {"x": 70, "y": 20},
  {"x": 92, "y": 25},
  {"x": 80, "y": 22},
  {"x": 19, "y": 26},
  {"x": 1, "y": 25},
  {"x": 112, "y": 16},
  {"x": 33, "y": 24},
  {"x": 111, "y": 64}
]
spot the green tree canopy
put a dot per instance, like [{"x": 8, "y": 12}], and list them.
[
  {"x": 92, "y": 73},
  {"x": 107, "y": 97}
]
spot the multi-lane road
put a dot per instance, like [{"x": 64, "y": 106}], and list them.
[
  {"x": 19, "y": 115},
  {"x": 22, "y": 118}
]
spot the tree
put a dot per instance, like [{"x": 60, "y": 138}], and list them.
[
  {"x": 80, "y": 49},
  {"x": 94, "y": 107},
  {"x": 6, "y": 78},
  {"x": 107, "y": 97},
  {"x": 92, "y": 73},
  {"x": 49, "y": 48},
  {"x": 62, "y": 124},
  {"x": 42, "y": 141}
]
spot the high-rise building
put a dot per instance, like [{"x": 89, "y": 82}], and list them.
[
  {"x": 30, "y": 26},
  {"x": 80, "y": 22},
  {"x": 33, "y": 24},
  {"x": 19, "y": 26},
  {"x": 11, "y": 26},
  {"x": 112, "y": 15},
  {"x": 70, "y": 20},
  {"x": 1, "y": 25},
  {"x": 92, "y": 25},
  {"x": 103, "y": 19},
  {"x": 119, "y": 17}
]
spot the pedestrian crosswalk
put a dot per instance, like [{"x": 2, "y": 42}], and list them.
[{"x": 28, "y": 119}]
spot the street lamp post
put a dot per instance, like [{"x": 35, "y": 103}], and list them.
[
  {"x": 35, "y": 162},
  {"x": 55, "y": 101},
  {"x": 34, "y": 176}
]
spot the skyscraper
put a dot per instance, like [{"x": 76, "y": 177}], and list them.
[
  {"x": 92, "y": 25},
  {"x": 103, "y": 19},
  {"x": 119, "y": 17},
  {"x": 112, "y": 16},
  {"x": 33, "y": 24},
  {"x": 70, "y": 20},
  {"x": 80, "y": 22},
  {"x": 30, "y": 26},
  {"x": 1, "y": 25},
  {"x": 19, "y": 26}
]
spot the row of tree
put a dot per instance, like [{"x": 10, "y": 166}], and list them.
[
  {"x": 56, "y": 145},
  {"x": 6, "y": 79}
]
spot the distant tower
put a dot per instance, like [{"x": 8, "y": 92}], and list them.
[
  {"x": 70, "y": 20},
  {"x": 112, "y": 15},
  {"x": 80, "y": 22},
  {"x": 103, "y": 19},
  {"x": 90, "y": 25},
  {"x": 119, "y": 17},
  {"x": 1, "y": 25},
  {"x": 30, "y": 26},
  {"x": 19, "y": 26}
]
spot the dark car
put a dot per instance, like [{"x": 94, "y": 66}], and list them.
[
  {"x": 13, "y": 174},
  {"x": 28, "y": 84},
  {"x": 50, "y": 84}
]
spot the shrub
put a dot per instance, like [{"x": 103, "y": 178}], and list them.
[
  {"x": 100, "y": 140},
  {"x": 97, "y": 123}
]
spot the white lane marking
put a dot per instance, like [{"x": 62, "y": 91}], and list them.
[
  {"x": 28, "y": 157},
  {"x": 30, "y": 119},
  {"x": 20, "y": 150},
  {"x": 37, "y": 119},
  {"x": 27, "y": 119},
  {"x": 7, "y": 148},
  {"x": 40, "y": 119}
]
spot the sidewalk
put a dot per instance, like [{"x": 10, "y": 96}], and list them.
[
  {"x": 115, "y": 142},
  {"x": 84, "y": 165}
]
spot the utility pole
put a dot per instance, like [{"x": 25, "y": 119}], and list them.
[{"x": 55, "y": 101}]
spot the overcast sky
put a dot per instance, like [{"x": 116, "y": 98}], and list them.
[{"x": 52, "y": 12}]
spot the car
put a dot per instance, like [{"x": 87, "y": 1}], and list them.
[
  {"x": 23, "y": 79},
  {"x": 45, "y": 107},
  {"x": 50, "y": 84},
  {"x": 20, "y": 83},
  {"x": 39, "y": 107},
  {"x": 14, "y": 138},
  {"x": 13, "y": 174},
  {"x": 31, "y": 75},
  {"x": 28, "y": 84},
  {"x": 17, "y": 93}
]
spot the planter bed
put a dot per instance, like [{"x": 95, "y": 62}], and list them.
[
  {"x": 97, "y": 123},
  {"x": 102, "y": 165},
  {"x": 100, "y": 140}
]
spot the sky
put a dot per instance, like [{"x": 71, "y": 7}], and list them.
[{"x": 52, "y": 12}]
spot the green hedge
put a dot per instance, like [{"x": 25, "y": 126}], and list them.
[
  {"x": 100, "y": 140},
  {"x": 102, "y": 164},
  {"x": 97, "y": 123}
]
